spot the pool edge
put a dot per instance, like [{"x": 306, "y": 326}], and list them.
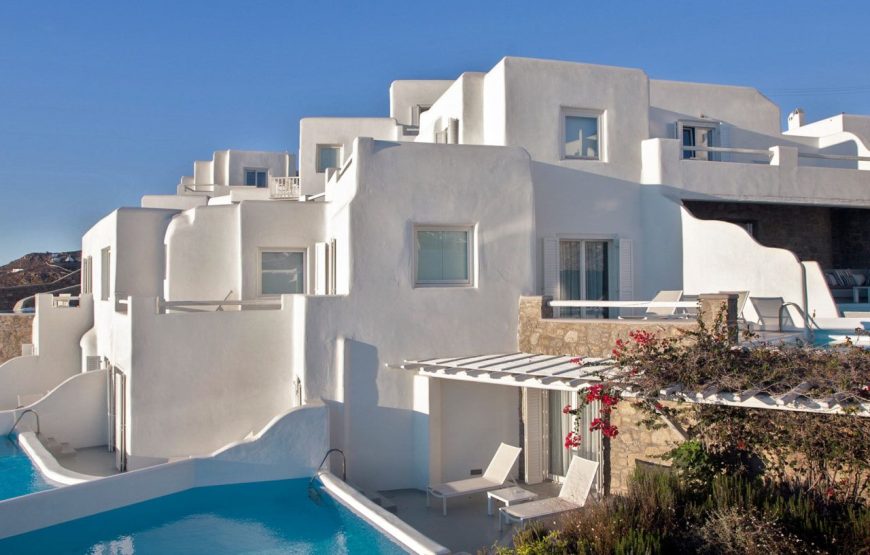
[{"x": 397, "y": 529}]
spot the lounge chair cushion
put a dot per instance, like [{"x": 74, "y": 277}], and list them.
[
  {"x": 464, "y": 487},
  {"x": 542, "y": 507}
]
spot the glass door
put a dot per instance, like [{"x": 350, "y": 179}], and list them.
[
  {"x": 584, "y": 274},
  {"x": 558, "y": 425}
]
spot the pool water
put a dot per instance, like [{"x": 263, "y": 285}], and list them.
[
  {"x": 832, "y": 338},
  {"x": 273, "y": 518},
  {"x": 17, "y": 474}
]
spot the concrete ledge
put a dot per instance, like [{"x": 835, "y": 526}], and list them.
[
  {"x": 47, "y": 465},
  {"x": 391, "y": 525}
]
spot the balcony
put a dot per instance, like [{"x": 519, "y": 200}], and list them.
[
  {"x": 775, "y": 174},
  {"x": 284, "y": 188}
]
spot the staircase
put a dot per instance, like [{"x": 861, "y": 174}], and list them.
[{"x": 57, "y": 449}]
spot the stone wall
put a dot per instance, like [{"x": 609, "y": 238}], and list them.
[
  {"x": 635, "y": 443},
  {"x": 539, "y": 333},
  {"x": 15, "y": 329}
]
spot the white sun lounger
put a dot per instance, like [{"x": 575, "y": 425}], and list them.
[
  {"x": 575, "y": 490},
  {"x": 659, "y": 312},
  {"x": 495, "y": 476}
]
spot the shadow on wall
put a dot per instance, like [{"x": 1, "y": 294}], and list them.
[{"x": 379, "y": 440}]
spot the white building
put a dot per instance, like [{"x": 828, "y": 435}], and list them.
[{"x": 413, "y": 236}]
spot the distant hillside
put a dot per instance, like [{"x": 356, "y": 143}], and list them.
[{"x": 38, "y": 272}]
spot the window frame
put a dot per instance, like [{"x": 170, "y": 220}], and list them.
[
  {"x": 105, "y": 273},
  {"x": 257, "y": 170},
  {"x": 716, "y": 136},
  {"x": 601, "y": 119},
  {"x": 305, "y": 270},
  {"x": 471, "y": 256},
  {"x": 318, "y": 148}
]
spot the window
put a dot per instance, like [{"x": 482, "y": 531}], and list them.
[
  {"x": 698, "y": 134},
  {"x": 105, "y": 273},
  {"x": 328, "y": 156},
  {"x": 256, "y": 177},
  {"x": 584, "y": 274},
  {"x": 581, "y": 135},
  {"x": 282, "y": 271},
  {"x": 87, "y": 274},
  {"x": 443, "y": 255}
]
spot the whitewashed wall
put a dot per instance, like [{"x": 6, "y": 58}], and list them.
[
  {"x": 335, "y": 131},
  {"x": 384, "y": 319}
]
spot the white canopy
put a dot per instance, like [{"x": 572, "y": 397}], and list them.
[{"x": 565, "y": 373}]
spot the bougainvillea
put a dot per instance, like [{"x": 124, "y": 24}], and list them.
[{"x": 829, "y": 453}]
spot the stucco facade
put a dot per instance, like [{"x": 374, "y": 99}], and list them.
[{"x": 182, "y": 306}]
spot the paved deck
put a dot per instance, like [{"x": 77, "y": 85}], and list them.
[
  {"x": 94, "y": 461},
  {"x": 466, "y": 528}
]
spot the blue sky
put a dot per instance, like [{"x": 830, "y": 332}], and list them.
[{"x": 101, "y": 102}]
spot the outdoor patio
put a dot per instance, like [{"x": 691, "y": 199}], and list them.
[{"x": 467, "y": 527}]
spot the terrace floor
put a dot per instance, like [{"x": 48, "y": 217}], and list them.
[
  {"x": 467, "y": 527},
  {"x": 93, "y": 461}
]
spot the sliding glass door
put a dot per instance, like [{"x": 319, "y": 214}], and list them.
[
  {"x": 559, "y": 424},
  {"x": 584, "y": 274}
]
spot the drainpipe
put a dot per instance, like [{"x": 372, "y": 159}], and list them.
[{"x": 805, "y": 300}]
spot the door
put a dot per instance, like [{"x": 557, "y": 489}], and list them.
[
  {"x": 559, "y": 424},
  {"x": 584, "y": 274}
]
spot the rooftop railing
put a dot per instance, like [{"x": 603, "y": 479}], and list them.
[
  {"x": 766, "y": 153},
  {"x": 285, "y": 188}
]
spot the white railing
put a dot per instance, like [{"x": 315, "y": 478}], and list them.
[
  {"x": 767, "y": 153},
  {"x": 624, "y": 304},
  {"x": 285, "y": 187},
  {"x": 217, "y": 306}
]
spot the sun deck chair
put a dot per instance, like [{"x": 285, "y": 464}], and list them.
[
  {"x": 768, "y": 310},
  {"x": 663, "y": 312},
  {"x": 575, "y": 490},
  {"x": 494, "y": 478}
]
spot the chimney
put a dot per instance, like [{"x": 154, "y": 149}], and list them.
[{"x": 795, "y": 119}]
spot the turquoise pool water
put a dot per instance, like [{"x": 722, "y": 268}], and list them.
[
  {"x": 17, "y": 474},
  {"x": 831, "y": 338},
  {"x": 274, "y": 518}
]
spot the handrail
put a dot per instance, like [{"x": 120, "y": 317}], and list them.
[
  {"x": 807, "y": 318},
  {"x": 20, "y": 416},
  {"x": 624, "y": 304},
  {"x": 727, "y": 149},
  {"x": 834, "y": 157},
  {"x": 326, "y": 456},
  {"x": 220, "y": 307}
]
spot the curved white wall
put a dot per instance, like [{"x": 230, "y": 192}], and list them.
[{"x": 720, "y": 256}]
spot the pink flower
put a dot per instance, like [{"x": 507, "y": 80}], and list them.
[
  {"x": 576, "y": 360},
  {"x": 566, "y": 409}
]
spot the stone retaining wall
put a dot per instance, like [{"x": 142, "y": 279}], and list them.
[
  {"x": 539, "y": 333},
  {"x": 636, "y": 443},
  {"x": 15, "y": 329}
]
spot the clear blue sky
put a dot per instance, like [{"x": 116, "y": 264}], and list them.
[{"x": 101, "y": 102}]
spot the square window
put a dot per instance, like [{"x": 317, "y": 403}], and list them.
[
  {"x": 443, "y": 255},
  {"x": 256, "y": 177},
  {"x": 328, "y": 156},
  {"x": 282, "y": 272},
  {"x": 581, "y": 136}
]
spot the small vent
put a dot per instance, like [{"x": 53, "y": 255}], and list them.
[
  {"x": 476, "y": 471},
  {"x": 93, "y": 363}
]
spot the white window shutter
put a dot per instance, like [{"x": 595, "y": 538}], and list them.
[
  {"x": 626, "y": 270},
  {"x": 533, "y": 424},
  {"x": 321, "y": 271}
]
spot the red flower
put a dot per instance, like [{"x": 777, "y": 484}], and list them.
[
  {"x": 610, "y": 431},
  {"x": 572, "y": 440},
  {"x": 576, "y": 360},
  {"x": 741, "y": 445},
  {"x": 641, "y": 337},
  {"x": 566, "y": 409}
]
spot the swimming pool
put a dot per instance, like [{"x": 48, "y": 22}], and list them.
[
  {"x": 832, "y": 338},
  {"x": 266, "y": 517},
  {"x": 17, "y": 474}
]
